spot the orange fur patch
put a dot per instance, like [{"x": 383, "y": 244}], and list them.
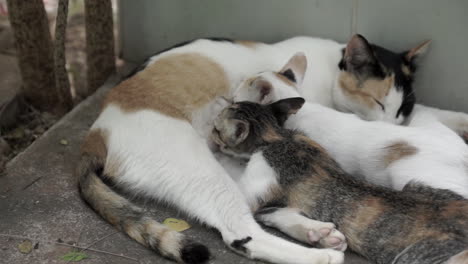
[
  {"x": 300, "y": 195},
  {"x": 367, "y": 91},
  {"x": 95, "y": 144},
  {"x": 270, "y": 135},
  {"x": 248, "y": 43},
  {"x": 273, "y": 192},
  {"x": 309, "y": 141},
  {"x": 356, "y": 224},
  {"x": 175, "y": 85},
  {"x": 397, "y": 151},
  {"x": 456, "y": 209}
]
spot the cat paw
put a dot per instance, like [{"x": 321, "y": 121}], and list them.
[
  {"x": 335, "y": 257},
  {"x": 328, "y": 238},
  {"x": 322, "y": 256}
]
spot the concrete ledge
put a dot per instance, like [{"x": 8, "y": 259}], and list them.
[{"x": 39, "y": 200}]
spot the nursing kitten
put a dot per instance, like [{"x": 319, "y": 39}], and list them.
[
  {"x": 384, "y": 154},
  {"x": 162, "y": 116},
  {"x": 151, "y": 139},
  {"x": 293, "y": 178}
]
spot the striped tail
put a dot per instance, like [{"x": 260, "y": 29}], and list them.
[{"x": 130, "y": 219}]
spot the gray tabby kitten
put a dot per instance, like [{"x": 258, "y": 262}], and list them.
[{"x": 419, "y": 225}]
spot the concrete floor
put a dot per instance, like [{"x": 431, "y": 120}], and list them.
[{"x": 39, "y": 200}]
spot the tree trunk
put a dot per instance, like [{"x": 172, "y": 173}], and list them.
[
  {"x": 99, "y": 42},
  {"x": 35, "y": 52},
  {"x": 61, "y": 75}
]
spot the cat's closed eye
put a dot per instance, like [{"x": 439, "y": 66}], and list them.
[{"x": 380, "y": 104}]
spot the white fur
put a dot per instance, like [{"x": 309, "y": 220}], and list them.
[
  {"x": 166, "y": 159},
  {"x": 256, "y": 180},
  {"x": 169, "y": 159},
  {"x": 359, "y": 146},
  {"x": 255, "y": 183},
  {"x": 457, "y": 121},
  {"x": 320, "y": 82},
  {"x": 291, "y": 222},
  {"x": 320, "y": 85},
  {"x": 391, "y": 102}
]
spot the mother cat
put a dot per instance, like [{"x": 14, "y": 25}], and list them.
[{"x": 151, "y": 140}]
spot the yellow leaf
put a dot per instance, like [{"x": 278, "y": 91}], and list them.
[
  {"x": 25, "y": 247},
  {"x": 176, "y": 224}
]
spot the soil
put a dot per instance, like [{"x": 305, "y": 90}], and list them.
[
  {"x": 22, "y": 124},
  {"x": 30, "y": 125}
]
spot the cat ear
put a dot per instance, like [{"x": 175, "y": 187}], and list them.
[
  {"x": 282, "y": 109},
  {"x": 358, "y": 52},
  {"x": 239, "y": 132},
  {"x": 418, "y": 50},
  {"x": 263, "y": 87},
  {"x": 295, "y": 68}
]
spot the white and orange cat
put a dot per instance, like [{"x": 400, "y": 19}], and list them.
[{"x": 151, "y": 139}]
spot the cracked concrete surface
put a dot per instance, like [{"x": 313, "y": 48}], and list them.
[{"x": 39, "y": 200}]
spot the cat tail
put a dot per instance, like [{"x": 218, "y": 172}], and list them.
[{"x": 131, "y": 219}]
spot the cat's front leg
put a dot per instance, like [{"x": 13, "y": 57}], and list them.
[
  {"x": 457, "y": 121},
  {"x": 259, "y": 185},
  {"x": 172, "y": 163},
  {"x": 296, "y": 224}
]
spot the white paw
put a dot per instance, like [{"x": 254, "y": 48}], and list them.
[
  {"x": 323, "y": 256},
  {"x": 335, "y": 257},
  {"x": 328, "y": 237}
]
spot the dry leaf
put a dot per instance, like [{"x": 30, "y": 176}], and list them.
[
  {"x": 176, "y": 224},
  {"x": 25, "y": 247}
]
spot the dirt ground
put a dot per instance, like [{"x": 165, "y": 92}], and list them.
[{"x": 20, "y": 124}]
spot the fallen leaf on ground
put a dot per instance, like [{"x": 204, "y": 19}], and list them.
[
  {"x": 176, "y": 224},
  {"x": 25, "y": 247},
  {"x": 74, "y": 256}
]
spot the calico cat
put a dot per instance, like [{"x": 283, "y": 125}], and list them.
[
  {"x": 365, "y": 79},
  {"x": 292, "y": 178},
  {"x": 162, "y": 116},
  {"x": 357, "y": 77},
  {"x": 384, "y": 154},
  {"x": 150, "y": 140}
]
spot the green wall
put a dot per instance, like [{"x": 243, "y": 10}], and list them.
[{"x": 151, "y": 25}]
